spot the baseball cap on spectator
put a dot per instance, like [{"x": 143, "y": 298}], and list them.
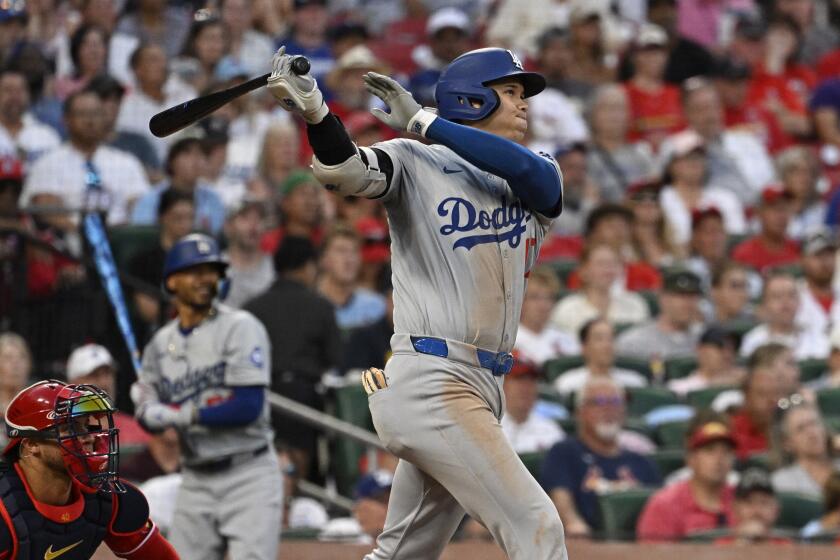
[
  {"x": 682, "y": 282},
  {"x": 651, "y": 36},
  {"x": 11, "y": 169},
  {"x": 732, "y": 70},
  {"x": 584, "y": 11},
  {"x": 710, "y": 432},
  {"x": 750, "y": 27},
  {"x": 717, "y": 335},
  {"x": 645, "y": 189},
  {"x": 373, "y": 485},
  {"x": 374, "y": 235},
  {"x": 699, "y": 215},
  {"x": 359, "y": 57},
  {"x": 754, "y": 479},
  {"x": 523, "y": 368},
  {"x": 296, "y": 179},
  {"x": 774, "y": 193},
  {"x": 293, "y": 253},
  {"x": 86, "y": 359},
  {"x": 818, "y": 241},
  {"x": 448, "y": 18}
]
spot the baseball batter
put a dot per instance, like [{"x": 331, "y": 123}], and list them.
[
  {"x": 467, "y": 217},
  {"x": 206, "y": 373}
]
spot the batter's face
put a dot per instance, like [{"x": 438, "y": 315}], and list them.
[
  {"x": 195, "y": 286},
  {"x": 510, "y": 119}
]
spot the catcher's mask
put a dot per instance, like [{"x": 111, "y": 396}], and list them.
[{"x": 80, "y": 419}]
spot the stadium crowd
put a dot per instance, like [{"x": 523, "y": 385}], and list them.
[{"x": 678, "y": 356}]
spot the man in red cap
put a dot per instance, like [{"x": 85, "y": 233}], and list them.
[
  {"x": 771, "y": 246},
  {"x": 704, "y": 501}
]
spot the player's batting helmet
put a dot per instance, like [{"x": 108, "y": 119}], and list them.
[
  {"x": 80, "y": 419},
  {"x": 192, "y": 250},
  {"x": 462, "y": 93}
]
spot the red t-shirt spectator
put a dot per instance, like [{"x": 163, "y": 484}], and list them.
[
  {"x": 754, "y": 253},
  {"x": 748, "y": 439},
  {"x": 829, "y": 66},
  {"x": 673, "y": 513},
  {"x": 271, "y": 239},
  {"x": 654, "y": 115},
  {"x": 637, "y": 276}
]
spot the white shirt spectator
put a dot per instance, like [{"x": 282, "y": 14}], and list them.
[
  {"x": 573, "y": 311},
  {"x": 805, "y": 344},
  {"x": 31, "y": 142},
  {"x": 554, "y": 121},
  {"x": 535, "y": 434},
  {"x": 62, "y": 172},
  {"x": 811, "y": 315},
  {"x": 679, "y": 215},
  {"x": 306, "y": 513},
  {"x": 120, "y": 47},
  {"x": 161, "y": 492},
  {"x": 572, "y": 380},
  {"x": 538, "y": 348},
  {"x": 255, "y": 53}
]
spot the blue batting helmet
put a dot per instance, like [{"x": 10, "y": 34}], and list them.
[
  {"x": 192, "y": 250},
  {"x": 465, "y": 82}
]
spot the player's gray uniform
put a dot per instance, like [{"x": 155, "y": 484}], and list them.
[
  {"x": 462, "y": 245},
  {"x": 232, "y": 492}
]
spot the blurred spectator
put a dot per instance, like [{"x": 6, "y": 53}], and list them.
[
  {"x": 675, "y": 331},
  {"x": 799, "y": 173},
  {"x": 402, "y": 34},
  {"x": 762, "y": 389},
  {"x": 303, "y": 349},
  {"x": 518, "y": 25},
  {"x": 817, "y": 307},
  {"x": 15, "y": 368},
  {"x": 247, "y": 49},
  {"x": 730, "y": 295},
  {"x": 154, "y": 93},
  {"x": 654, "y": 104},
  {"x": 537, "y": 340},
  {"x": 175, "y": 217},
  {"x": 580, "y": 194},
  {"x": 63, "y": 175},
  {"x": 825, "y": 110},
  {"x": 736, "y": 160},
  {"x": 308, "y": 36},
  {"x": 370, "y": 345},
  {"x": 448, "y": 33},
  {"x": 300, "y": 211},
  {"x": 299, "y": 511},
  {"x": 587, "y": 43},
  {"x": 780, "y": 303},
  {"x": 708, "y": 246},
  {"x": 89, "y": 53},
  {"x": 554, "y": 60},
  {"x": 716, "y": 363},
  {"x": 580, "y": 467},
  {"x": 754, "y": 511},
  {"x": 364, "y": 130},
  {"x": 21, "y": 134},
  {"x": 279, "y": 157},
  {"x": 614, "y": 163},
  {"x": 251, "y": 271},
  {"x": 829, "y": 522},
  {"x": 371, "y": 504},
  {"x": 600, "y": 269},
  {"x": 802, "y": 444},
  {"x": 160, "y": 457},
  {"x": 831, "y": 378},
  {"x": 817, "y": 38},
  {"x": 783, "y": 43},
  {"x": 345, "y": 35},
  {"x": 611, "y": 224},
  {"x": 686, "y": 174},
  {"x": 686, "y": 57},
  {"x": 525, "y": 430},
  {"x": 653, "y": 239},
  {"x": 771, "y": 247},
  {"x": 597, "y": 338},
  {"x": 340, "y": 263},
  {"x": 111, "y": 92},
  {"x": 221, "y": 177},
  {"x": 157, "y": 22},
  {"x": 92, "y": 364},
  {"x": 203, "y": 50},
  {"x": 345, "y": 81},
  {"x": 702, "y": 22},
  {"x": 704, "y": 501},
  {"x": 184, "y": 166},
  {"x": 376, "y": 251}
]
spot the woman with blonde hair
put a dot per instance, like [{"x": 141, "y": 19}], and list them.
[
  {"x": 279, "y": 157},
  {"x": 802, "y": 445},
  {"x": 15, "y": 367},
  {"x": 800, "y": 173}
]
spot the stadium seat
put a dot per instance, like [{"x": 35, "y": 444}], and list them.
[
  {"x": 639, "y": 366},
  {"x": 833, "y": 423},
  {"x": 351, "y": 406},
  {"x": 707, "y": 536},
  {"x": 797, "y": 509},
  {"x": 668, "y": 460},
  {"x": 672, "y": 435},
  {"x": 621, "y": 510},
  {"x": 533, "y": 462},
  {"x": 812, "y": 369},
  {"x": 682, "y": 366},
  {"x": 641, "y": 400},
  {"x": 564, "y": 268},
  {"x": 703, "y": 398},
  {"x": 300, "y": 534},
  {"x": 829, "y": 401},
  {"x": 555, "y": 367},
  {"x": 127, "y": 241}
]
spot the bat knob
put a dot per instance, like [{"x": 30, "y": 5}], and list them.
[{"x": 300, "y": 65}]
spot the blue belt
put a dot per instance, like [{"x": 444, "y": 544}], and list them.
[{"x": 499, "y": 363}]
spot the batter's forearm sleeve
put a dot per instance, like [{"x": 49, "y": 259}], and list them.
[
  {"x": 330, "y": 141},
  {"x": 244, "y": 406},
  {"x": 535, "y": 179}
]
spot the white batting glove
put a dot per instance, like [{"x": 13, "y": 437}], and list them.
[
  {"x": 158, "y": 416},
  {"x": 406, "y": 113},
  {"x": 299, "y": 94}
]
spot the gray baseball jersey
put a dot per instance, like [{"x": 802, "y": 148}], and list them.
[
  {"x": 462, "y": 244},
  {"x": 230, "y": 348}
]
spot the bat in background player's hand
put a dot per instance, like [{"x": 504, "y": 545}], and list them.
[{"x": 298, "y": 93}]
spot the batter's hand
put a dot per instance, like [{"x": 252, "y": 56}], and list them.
[
  {"x": 158, "y": 416},
  {"x": 406, "y": 113},
  {"x": 297, "y": 93}
]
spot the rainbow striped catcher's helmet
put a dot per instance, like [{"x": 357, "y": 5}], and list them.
[{"x": 80, "y": 419}]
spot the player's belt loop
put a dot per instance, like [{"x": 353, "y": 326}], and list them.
[{"x": 499, "y": 363}]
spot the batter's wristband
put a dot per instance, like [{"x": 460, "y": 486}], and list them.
[{"x": 420, "y": 122}]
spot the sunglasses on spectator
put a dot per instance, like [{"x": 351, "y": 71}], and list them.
[
  {"x": 792, "y": 401},
  {"x": 604, "y": 401}
]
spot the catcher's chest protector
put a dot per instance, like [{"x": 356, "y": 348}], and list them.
[{"x": 39, "y": 538}]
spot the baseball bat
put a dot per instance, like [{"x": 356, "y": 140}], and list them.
[{"x": 182, "y": 115}]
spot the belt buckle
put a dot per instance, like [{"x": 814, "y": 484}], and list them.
[{"x": 502, "y": 363}]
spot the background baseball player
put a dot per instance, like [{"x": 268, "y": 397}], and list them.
[
  {"x": 60, "y": 492},
  {"x": 467, "y": 217},
  {"x": 206, "y": 373}
]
